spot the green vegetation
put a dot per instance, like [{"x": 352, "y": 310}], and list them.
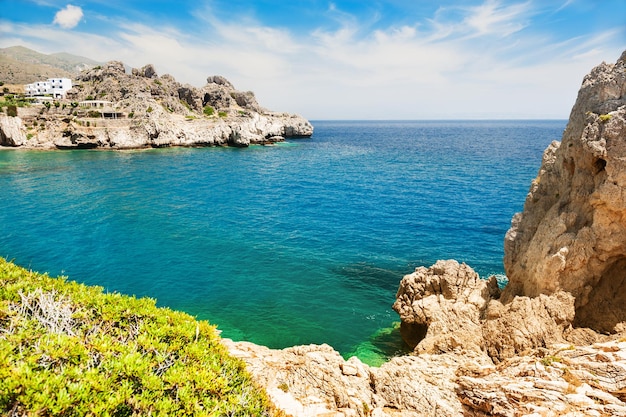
[
  {"x": 149, "y": 109},
  {"x": 94, "y": 113},
  {"x": 549, "y": 360},
  {"x": 222, "y": 114},
  {"x": 12, "y": 110},
  {"x": 12, "y": 100},
  {"x": 68, "y": 349},
  {"x": 208, "y": 110},
  {"x": 605, "y": 117}
]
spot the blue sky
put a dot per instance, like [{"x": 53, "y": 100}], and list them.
[{"x": 385, "y": 59}]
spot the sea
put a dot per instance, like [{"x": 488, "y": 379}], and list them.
[{"x": 302, "y": 242}]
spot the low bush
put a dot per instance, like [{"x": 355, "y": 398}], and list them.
[
  {"x": 70, "y": 349},
  {"x": 208, "y": 110}
]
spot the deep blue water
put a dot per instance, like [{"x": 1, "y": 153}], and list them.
[{"x": 303, "y": 242}]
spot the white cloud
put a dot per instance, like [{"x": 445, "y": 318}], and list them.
[
  {"x": 69, "y": 17},
  {"x": 454, "y": 65},
  {"x": 492, "y": 17}
]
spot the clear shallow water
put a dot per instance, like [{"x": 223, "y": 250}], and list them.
[{"x": 304, "y": 242}]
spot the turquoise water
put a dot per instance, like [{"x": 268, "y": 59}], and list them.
[{"x": 303, "y": 242}]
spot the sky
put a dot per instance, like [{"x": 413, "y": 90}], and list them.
[{"x": 381, "y": 59}]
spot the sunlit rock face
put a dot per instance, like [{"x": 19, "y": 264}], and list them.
[{"x": 571, "y": 235}]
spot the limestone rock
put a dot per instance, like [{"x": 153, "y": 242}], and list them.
[
  {"x": 571, "y": 235},
  {"x": 448, "y": 308},
  {"x": 315, "y": 381},
  {"x": 526, "y": 323},
  {"x": 12, "y": 131},
  {"x": 440, "y": 307},
  {"x": 309, "y": 380}
]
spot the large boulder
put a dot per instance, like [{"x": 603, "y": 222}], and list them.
[
  {"x": 440, "y": 307},
  {"x": 448, "y": 308},
  {"x": 571, "y": 235}
]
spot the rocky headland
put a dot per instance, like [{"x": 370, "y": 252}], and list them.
[
  {"x": 109, "y": 108},
  {"x": 551, "y": 343}
]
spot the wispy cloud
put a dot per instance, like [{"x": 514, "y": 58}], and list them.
[{"x": 479, "y": 61}]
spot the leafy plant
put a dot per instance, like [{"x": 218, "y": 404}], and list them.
[
  {"x": 605, "y": 117},
  {"x": 149, "y": 109},
  {"x": 70, "y": 349},
  {"x": 222, "y": 114},
  {"x": 12, "y": 110}
]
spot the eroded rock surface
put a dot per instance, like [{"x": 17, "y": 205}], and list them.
[
  {"x": 564, "y": 380},
  {"x": 571, "y": 235}
]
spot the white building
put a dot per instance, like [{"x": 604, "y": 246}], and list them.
[{"x": 55, "y": 87}]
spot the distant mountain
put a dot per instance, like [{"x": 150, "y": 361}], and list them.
[{"x": 20, "y": 65}]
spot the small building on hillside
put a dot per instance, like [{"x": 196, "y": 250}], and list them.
[{"x": 55, "y": 87}]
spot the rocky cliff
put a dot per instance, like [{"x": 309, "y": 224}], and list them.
[
  {"x": 552, "y": 343},
  {"x": 110, "y": 108},
  {"x": 571, "y": 235}
]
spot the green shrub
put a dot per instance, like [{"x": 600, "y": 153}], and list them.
[
  {"x": 605, "y": 117},
  {"x": 222, "y": 114},
  {"x": 149, "y": 109},
  {"x": 89, "y": 97},
  {"x": 131, "y": 114},
  {"x": 94, "y": 113},
  {"x": 208, "y": 110},
  {"x": 56, "y": 104},
  {"x": 12, "y": 110},
  {"x": 69, "y": 349},
  {"x": 47, "y": 104}
]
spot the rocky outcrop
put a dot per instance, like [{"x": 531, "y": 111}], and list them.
[
  {"x": 12, "y": 131},
  {"x": 571, "y": 235},
  {"x": 441, "y": 307},
  {"x": 447, "y": 308},
  {"x": 142, "y": 109},
  {"x": 308, "y": 381}
]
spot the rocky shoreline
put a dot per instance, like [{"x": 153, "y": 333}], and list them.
[
  {"x": 552, "y": 343},
  {"x": 109, "y": 108}
]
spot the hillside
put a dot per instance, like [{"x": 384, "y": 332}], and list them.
[
  {"x": 110, "y": 108},
  {"x": 20, "y": 65}
]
